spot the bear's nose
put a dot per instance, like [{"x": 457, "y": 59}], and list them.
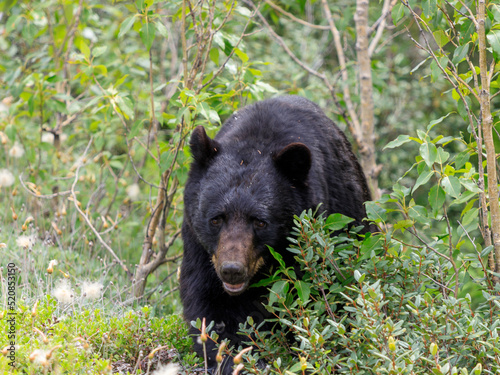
[{"x": 233, "y": 272}]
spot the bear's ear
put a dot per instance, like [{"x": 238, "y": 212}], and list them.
[
  {"x": 203, "y": 148},
  {"x": 294, "y": 161}
]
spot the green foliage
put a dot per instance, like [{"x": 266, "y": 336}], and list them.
[
  {"x": 83, "y": 340},
  {"x": 371, "y": 305},
  {"x": 96, "y": 107},
  {"x": 93, "y": 104}
]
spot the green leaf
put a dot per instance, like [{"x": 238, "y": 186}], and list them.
[
  {"x": 101, "y": 69},
  {"x": 11, "y": 23},
  {"x": 120, "y": 81},
  {"x": 303, "y": 290},
  {"x": 419, "y": 214},
  {"x": 435, "y": 122},
  {"x": 125, "y": 106},
  {"x": 374, "y": 212},
  {"x": 437, "y": 197},
  {"x": 435, "y": 71},
  {"x": 162, "y": 30},
  {"x": 207, "y": 112},
  {"x": 403, "y": 224},
  {"x": 10, "y": 130},
  {"x": 117, "y": 164},
  {"x": 135, "y": 129},
  {"x": 451, "y": 186},
  {"x": 464, "y": 197},
  {"x": 140, "y": 4},
  {"x": 126, "y": 25},
  {"x": 277, "y": 256},
  {"x": 29, "y": 32},
  {"x": 470, "y": 185},
  {"x": 423, "y": 178},
  {"x": 486, "y": 251},
  {"x": 371, "y": 243},
  {"x": 462, "y": 109},
  {"x": 337, "y": 221},
  {"x": 279, "y": 288},
  {"x": 461, "y": 159},
  {"x": 469, "y": 216},
  {"x": 147, "y": 34},
  {"x": 429, "y": 7},
  {"x": 442, "y": 156},
  {"x": 419, "y": 65},
  {"x": 398, "y": 12},
  {"x": 400, "y": 140},
  {"x": 358, "y": 276},
  {"x": 166, "y": 159},
  {"x": 84, "y": 48},
  {"x": 263, "y": 86},
  {"x": 98, "y": 51},
  {"x": 494, "y": 40},
  {"x": 242, "y": 55},
  {"x": 428, "y": 151},
  {"x": 423, "y": 136},
  {"x": 466, "y": 30},
  {"x": 441, "y": 38},
  {"x": 460, "y": 53},
  {"x": 214, "y": 55},
  {"x": 31, "y": 105}
]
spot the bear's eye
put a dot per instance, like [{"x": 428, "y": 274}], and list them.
[
  {"x": 259, "y": 224},
  {"x": 216, "y": 221}
]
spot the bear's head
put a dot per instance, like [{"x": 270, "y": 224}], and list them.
[{"x": 245, "y": 202}]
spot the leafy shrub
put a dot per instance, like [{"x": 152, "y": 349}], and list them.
[{"x": 371, "y": 305}]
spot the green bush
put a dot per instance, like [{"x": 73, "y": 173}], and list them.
[{"x": 371, "y": 305}]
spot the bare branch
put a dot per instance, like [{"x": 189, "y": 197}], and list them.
[
  {"x": 354, "y": 124},
  {"x": 49, "y": 196},
  {"x": 381, "y": 22}
]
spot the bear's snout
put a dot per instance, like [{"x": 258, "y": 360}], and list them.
[
  {"x": 234, "y": 277},
  {"x": 235, "y": 258},
  {"x": 233, "y": 272}
]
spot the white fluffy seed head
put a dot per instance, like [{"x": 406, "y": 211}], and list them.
[
  {"x": 63, "y": 292},
  {"x": 170, "y": 369},
  {"x": 92, "y": 291},
  {"x": 48, "y": 137},
  {"x": 17, "y": 151},
  {"x": 25, "y": 241},
  {"x": 6, "y": 178},
  {"x": 133, "y": 191}
]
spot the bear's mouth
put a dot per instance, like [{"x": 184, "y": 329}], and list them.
[{"x": 234, "y": 289}]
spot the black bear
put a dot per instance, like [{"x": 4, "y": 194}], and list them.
[{"x": 269, "y": 161}]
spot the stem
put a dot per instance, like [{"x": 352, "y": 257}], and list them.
[
  {"x": 368, "y": 161},
  {"x": 486, "y": 122}
]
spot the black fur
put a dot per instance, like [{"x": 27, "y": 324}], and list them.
[{"x": 269, "y": 161}]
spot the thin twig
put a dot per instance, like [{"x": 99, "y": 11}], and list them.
[
  {"x": 354, "y": 124},
  {"x": 218, "y": 71},
  {"x": 381, "y": 22},
  {"x": 49, "y": 196}
]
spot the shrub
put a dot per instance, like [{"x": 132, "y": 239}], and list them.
[{"x": 371, "y": 305}]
